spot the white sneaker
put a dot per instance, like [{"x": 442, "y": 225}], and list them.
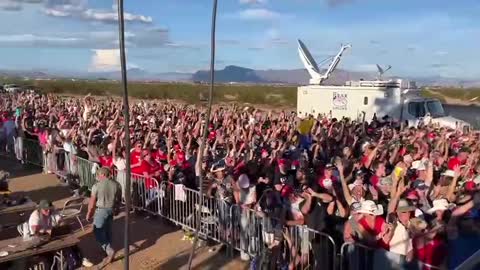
[{"x": 86, "y": 263}]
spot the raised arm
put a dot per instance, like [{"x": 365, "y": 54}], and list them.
[{"x": 346, "y": 191}]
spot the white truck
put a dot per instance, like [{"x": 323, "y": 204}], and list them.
[
  {"x": 399, "y": 99},
  {"x": 12, "y": 88}
]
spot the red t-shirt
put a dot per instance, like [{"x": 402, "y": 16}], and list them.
[
  {"x": 376, "y": 230},
  {"x": 364, "y": 160},
  {"x": 375, "y": 180},
  {"x": 159, "y": 156},
  {"x": 134, "y": 157},
  {"x": 184, "y": 165},
  {"x": 106, "y": 161},
  {"x": 155, "y": 167},
  {"x": 453, "y": 163},
  {"x": 433, "y": 253},
  {"x": 143, "y": 168}
]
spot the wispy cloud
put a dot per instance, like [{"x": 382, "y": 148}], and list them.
[
  {"x": 8, "y": 5},
  {"x": 335, "y": 3},
  {"x": 253, "y": 2},
  {"x": 258, "y": 14},
  {"x": 105, "y": 16},
  {"x": 33, "y": 40},
  {"x": 76, "y": 9},
  {"x": 56, "y": 12},
  {"x": 149, "y": 38},
  {"x": 111, "y": 16},
  {"x": 229, "y": 41}
]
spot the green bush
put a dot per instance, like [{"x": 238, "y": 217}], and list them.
[
  {"x": 458, "y": 93},
  {"x": 253, "y": 94}
]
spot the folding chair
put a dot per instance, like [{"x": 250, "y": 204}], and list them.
[{"x": 73, "y": 208}]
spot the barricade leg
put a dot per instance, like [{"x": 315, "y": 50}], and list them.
[
  {"x": 18, "y": 141},
  {"x": 244, "y": 234}
]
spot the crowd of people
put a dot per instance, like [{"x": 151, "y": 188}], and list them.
[{"x": 410, "y": 191}]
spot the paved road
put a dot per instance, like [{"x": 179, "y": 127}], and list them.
[{"x": 470, "y": 114}]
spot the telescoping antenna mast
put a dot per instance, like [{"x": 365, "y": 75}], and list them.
[{"x": 312, "y": 67}]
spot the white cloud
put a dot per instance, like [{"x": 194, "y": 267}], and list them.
[
  {"x": 258, "y": 14},
  {"x": 78, "y": 9},
  {"x": 55, "y": 12},
  {"x": 334, "y": 3},
  {"x": 148, "y": 38},
  {"x": 8, "y": 5},
  {"x": 252, "y": 2},
  {"x": 111, "y": 16},
  {"x": 105, "y": 60},
  {"x": 108, "y": 60},
  {"x": 33, "y": 40}
]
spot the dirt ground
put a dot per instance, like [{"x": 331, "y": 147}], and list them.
[{"x": 155, "y": 244}]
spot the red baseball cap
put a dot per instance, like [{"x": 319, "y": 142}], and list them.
[
  {"x": 180, "y": 157},
  {"x": 413, "y": 195},
  {"x": 470, "y": 186},
  {"x": 282, "y": 161}
]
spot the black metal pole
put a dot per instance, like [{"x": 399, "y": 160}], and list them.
[
  {"x": 126, "y": 115},
  {"x": 205, "y": 129}
]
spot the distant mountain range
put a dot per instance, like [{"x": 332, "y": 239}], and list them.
[
  {"x": 135, "y": 74},
  {"x": 232, "y": 74},
  {"x": 293, "y": 76}
]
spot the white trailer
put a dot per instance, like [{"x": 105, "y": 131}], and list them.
[{"x": 399, "y": 99}]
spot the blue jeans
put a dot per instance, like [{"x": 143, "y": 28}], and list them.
[{"x": 102, "y": 228}]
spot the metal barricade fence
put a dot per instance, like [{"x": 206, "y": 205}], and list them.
[
  {"x": 181, "y": 205},
  {"x": 86, "y": 172},
  {"x": 243, "y": 230},
  {"x": 356, "y": 256},
  {"x": 145, "y": 194},
  {"x": 267, "y": 240},
  {"x": 33, "y": 152}
]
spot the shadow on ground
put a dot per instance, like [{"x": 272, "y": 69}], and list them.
[
  {"x": 144, "y": 234},
  {"x": 52, "y": 193},
  {"x": 16, "y": 169},
  {"x": 217, "y": 261}
]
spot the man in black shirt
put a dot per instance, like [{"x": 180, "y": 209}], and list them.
[{"x": 283, "y": 176}]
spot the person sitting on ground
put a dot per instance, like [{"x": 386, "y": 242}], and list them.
[{"x": 41, "y": 221}]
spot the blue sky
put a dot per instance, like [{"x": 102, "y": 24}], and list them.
[{"x": 420, "y": 38}]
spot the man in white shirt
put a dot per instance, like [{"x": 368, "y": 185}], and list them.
[
  {"x": 401, "y": 247},
  {"x": 41, "y": 221}
]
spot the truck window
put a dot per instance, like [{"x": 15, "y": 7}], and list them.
[
  {"x": 365, "y": 101},
  {"x": 416, "y": 109},
  {"x": 435, "y": 108}
]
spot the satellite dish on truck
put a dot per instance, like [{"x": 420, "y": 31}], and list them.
[
  {"x": 308, "y": 62},
  {"x": 381, "y": 71},
  {"x": 311, "y": 65}
]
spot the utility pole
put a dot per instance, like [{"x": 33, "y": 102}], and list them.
[
  {"x": 205, "y": 129},
  {"x": 126, "y": 115}
]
